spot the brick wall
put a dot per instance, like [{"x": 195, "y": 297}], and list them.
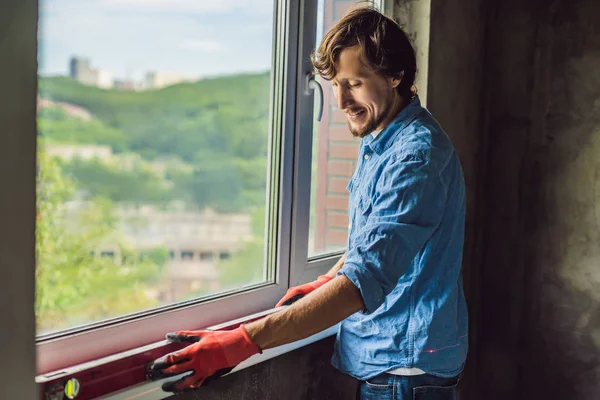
[{"x": 336, "y": 158}]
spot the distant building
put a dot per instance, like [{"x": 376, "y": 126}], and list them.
[
  {"x": 157, "y": 80},
  {"x": 125, "y": 84},
  {"x": 80, "y": 69},
  {"x": 104, "y": 79},
  {"x": 195, "y": 240}
]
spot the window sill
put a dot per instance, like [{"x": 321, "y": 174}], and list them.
[
  {"x": 98, "y": 379},
  {"x": 152, "y": 390}
]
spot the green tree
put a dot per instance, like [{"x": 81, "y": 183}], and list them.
[
  {"x": 216, "y": 183},
  {"x": 228, "y": 114},
  {"x": 55, "y": 126},
  {"x": 72, "y": 285},
  {"x": 217, "y": 130},
  {"x": 218, "y": 126},
  {"x": 247, "y": 266},
  {"x": 136, "y": 185}
]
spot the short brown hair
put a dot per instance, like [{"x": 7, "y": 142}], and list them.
[{"x": 385, "y": 48}]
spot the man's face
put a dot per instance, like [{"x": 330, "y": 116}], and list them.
[{"x": 365, "y": 97}]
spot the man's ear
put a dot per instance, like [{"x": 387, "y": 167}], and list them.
[{"x": 395, "y": 81}]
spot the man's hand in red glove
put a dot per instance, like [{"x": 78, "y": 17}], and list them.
[
  {"x": 297, "y": 292},
  {"x": 211, "y": 354}
]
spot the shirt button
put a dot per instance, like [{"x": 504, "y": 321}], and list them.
[{"x": 367, "y": 156}]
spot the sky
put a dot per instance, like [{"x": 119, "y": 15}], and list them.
[{"x": 194, "y": 38}]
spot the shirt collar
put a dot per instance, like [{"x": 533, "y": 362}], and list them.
[
  {"x": 375, "y": 134},
  {"x": 394, "y": 128}
]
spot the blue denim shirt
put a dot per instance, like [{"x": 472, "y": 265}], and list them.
[{"x": 407, "y": 217}]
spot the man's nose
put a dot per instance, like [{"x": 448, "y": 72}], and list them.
[{"x": 343, "y": 97}]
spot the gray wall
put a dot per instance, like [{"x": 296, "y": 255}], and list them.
[
  {"x": 517, "y": 86},
  {"x": 18, "y": 85},
  {"x": 540, "y": 329},
  {"x": 455, "y": 92}
]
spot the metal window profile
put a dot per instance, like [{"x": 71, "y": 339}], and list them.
[{"x": 302, "y": 144}]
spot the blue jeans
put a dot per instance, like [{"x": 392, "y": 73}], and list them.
[{"x": 419, "y": 387}]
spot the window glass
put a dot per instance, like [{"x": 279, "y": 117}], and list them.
[
  {"x": 334, "y": 154},
  {"x": 153, "y": 124}
]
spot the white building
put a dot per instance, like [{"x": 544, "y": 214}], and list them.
[
  {"x": 195, "y": 240},
  {"x": 104, "y": 78},
  {"x": 80, "y": 69},
  {"x": 157, "y": 80}
]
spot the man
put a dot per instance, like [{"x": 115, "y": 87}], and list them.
[{"x": 398, "y": 289}]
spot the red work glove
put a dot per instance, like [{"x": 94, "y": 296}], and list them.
[
  {"x": 297, "y": 292},
  {"x": 212, "y": 354}
]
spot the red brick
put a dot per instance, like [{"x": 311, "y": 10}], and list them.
[
  {"x": 337, "y": 237},
  {"x": 340, "y": 168},
  {"x": 338, "y": 185},
  {"x": 337, "y": 116},
  {"x": 344, "y": 151},
  {"x": 337, "y": 220},
  {"x": 340, "y": 132},
  {"x": 337, "y": 202}
]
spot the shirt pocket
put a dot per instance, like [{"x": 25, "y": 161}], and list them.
[
  {"x": 363, "y": 205},
  {"x": 361, "y": 212}
]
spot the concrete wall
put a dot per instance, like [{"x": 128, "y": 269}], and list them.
[
  {"x": 540, "y": 295},
  {"x": 517, "y": 86},
  {"x": 304, "y": 374},
  {"x": 414, "y": 17},
  {"x": 18, "y": 85},
  {"x": 454, "y": 96}
]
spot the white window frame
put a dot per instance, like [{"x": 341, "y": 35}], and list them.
[{"x": 287, "y": 244}]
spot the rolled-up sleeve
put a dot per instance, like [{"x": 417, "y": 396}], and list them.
[{"x": 403, "y": 213}]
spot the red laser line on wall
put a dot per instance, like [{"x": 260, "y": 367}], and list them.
[{"x": 446, "y": 347}]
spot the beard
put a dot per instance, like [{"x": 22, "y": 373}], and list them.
[{"x": 369, "y": 126}]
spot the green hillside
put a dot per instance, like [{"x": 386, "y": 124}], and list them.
[
  {"x": 229, "y": 114},
  {"x": 218, "y": 126},
  {"x": 203, "y": 144}
]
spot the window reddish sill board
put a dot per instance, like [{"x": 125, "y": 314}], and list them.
[
  {"x": 115, "y": 337},
  {"x": 120, "y": 371}
]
